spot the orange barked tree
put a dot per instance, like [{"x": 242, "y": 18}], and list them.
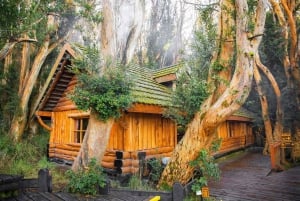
[{"x": 240, "y": 31}]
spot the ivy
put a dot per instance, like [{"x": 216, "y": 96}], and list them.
[{"x": 107, "y": 94}]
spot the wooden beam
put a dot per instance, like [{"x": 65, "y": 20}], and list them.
[
  {"x": 42, "y": 123},
  {"x": 166, "y": 78},
  {"x": 79, "y": 114},
  {"x": 145, "y": 108},
  {"x": 43, "y": 113},
  {"x": 239, "y": 118}
]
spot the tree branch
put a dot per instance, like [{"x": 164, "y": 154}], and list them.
[{"x": 8, "y": 47}]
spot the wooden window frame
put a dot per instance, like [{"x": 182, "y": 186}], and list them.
[{"x": 79, "y": 131}]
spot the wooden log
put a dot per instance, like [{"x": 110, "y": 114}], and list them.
[
  {"x": 66, "y": 152},
  {"x": 109, "y": 158},
  {"x": 127, "y": 170},
  {"x": 126, "y": 163},
  {"x": 158, "y": 150},
  {"x": 68, "y": 147},
  {"x": 138, "y": 155},
  {"x": 110, "y": 152},
  {"x": 78, "y": 145},
  {"x": 123, "y": 155},
  {"x": 62, "y": 156},
  {"x": 64, "y": 108},
  {"x": 109, "y": 165}
]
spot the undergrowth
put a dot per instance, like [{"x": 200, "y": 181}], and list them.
[
  {"x": 86, "y": 181},
  {"x": 27, "y": 157}
]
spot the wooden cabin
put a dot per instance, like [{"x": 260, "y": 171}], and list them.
[
  {"x": 236, "y": 132},
  {"x": 141, "y": 131}
]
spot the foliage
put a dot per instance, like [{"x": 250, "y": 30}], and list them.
[
  {"x": 106, "y": 94},
  {"x": 189, "y": 94},
  {"x": 191, "y": 87},
  {"x": 18, "y": 17},
  {"x": 156, "y": 167},
  {"x": 9, "y": 96},
  {"x": 135, "y": 182},
  {"x": 86, "y": 181},
  {"x": 88, "y": 10},
  {"x": 25, "y": 157},
  {"x": 207, "y": 168}
]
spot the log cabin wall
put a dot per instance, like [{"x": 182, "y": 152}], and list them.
[{"x": 235, "y": 135}]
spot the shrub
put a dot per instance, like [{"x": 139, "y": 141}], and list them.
[{"x": 86, "y": 181}]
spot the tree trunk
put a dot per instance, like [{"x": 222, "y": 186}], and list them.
[
  {"x": 94, "y": 143},
  {"x": 20, "y": 118},
  {"x": 201, "y": 130},
  {"x": 284, "y": 11},
  {"x": 116, "y": 40},
  {"x": 265, "y": 108}
]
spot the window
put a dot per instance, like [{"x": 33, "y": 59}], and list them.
[{"x": 80, "y": 126}]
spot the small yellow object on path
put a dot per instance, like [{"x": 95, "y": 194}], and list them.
[{"x": 156, "y": 198}]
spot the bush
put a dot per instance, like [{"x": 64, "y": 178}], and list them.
[
  {"x": 86, "y": 181},
  {"x": 25, "y": 157}
]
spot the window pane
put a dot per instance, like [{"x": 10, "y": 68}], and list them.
[
  {"x": 85, "y": 123},
  {"x": 80, "y": 126}
]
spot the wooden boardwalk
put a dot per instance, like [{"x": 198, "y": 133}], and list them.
[
  {"x": 247, "y": 177},
  {"x": 62, "y": 196}
]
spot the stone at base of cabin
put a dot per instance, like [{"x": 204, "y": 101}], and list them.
[
  {"x": 178, "y": 192},
  {"x": 44, "y": 181}
]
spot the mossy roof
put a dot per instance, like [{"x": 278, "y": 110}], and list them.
[
  {"x": 242, "y": 112},
  {"x": 166, "y": 70},
  {"x": 146, "y": 90}
]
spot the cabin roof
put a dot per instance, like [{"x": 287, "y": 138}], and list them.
[
  {"x": 166, "y": 71},
  {"x": 242, "y": 114},
  {"x": 57, "y": 81},
  {"x": 145, "y": 90}
]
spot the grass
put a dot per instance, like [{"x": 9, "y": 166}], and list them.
[{"x": 27, "y": 157}]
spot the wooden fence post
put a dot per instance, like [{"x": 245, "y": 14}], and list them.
[
  {"x": 178, "y": 192},
  {"x": 44, "y": 181}
]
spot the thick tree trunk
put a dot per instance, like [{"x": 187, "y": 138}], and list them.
[
  {"x": 118, "y": 38},
  {"x": 284, "y": 11},
  {"x": 21, "y": 116},
  {"x": 94, "y": 143},
  {"x": 201, "y": 131}
]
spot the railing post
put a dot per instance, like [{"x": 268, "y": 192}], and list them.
[{"x": 44, "y": 181}]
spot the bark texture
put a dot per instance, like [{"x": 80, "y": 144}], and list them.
[
  {"x": 201, "y": 130},
  {"x": 94, "y": 143}
]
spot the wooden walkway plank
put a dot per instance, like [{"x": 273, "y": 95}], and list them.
[
  {"x": 65, "y": 196},
  {"x": 247, "y": 177}
]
